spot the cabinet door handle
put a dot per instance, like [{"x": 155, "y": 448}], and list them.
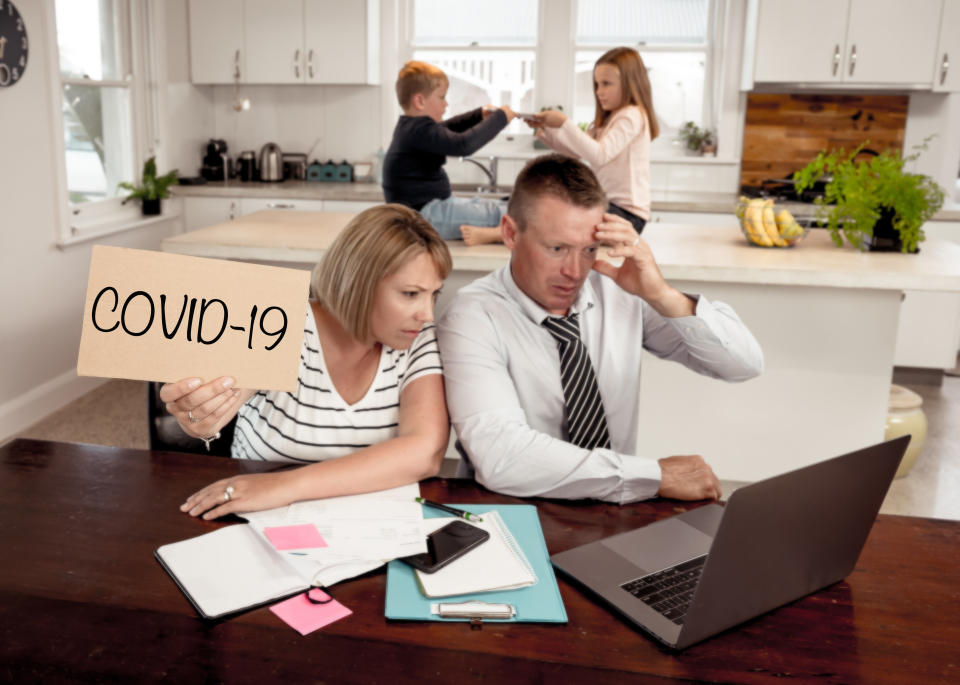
[
  {"x": 296, "y": 63},
  {"x": 281, "y": 205},
  {"x": 944, "y": 66},
  {"x": 233, "y": 211},
  {"x": 836, "y": 58},
  {"x": 853, "y": 58},
  {"x": 310, "y": 63},
  {"x": 236, "y": 65}
]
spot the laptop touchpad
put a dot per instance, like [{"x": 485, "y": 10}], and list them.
[{"x": 660, "y": 544}]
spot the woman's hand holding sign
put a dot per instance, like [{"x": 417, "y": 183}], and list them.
[{"x": 202, "y": 409}]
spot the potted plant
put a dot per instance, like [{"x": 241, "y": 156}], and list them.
[
  {"x": 696, "y": 140},
  {"x": 874, "y": 204},
  {"x": 152, "y": 188}
]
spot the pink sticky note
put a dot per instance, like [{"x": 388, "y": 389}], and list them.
[
  {"x": 305, "y": 617},
  {"x": 295, "y": 537}
]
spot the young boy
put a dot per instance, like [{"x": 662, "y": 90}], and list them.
[{"x": 413, "y": 172}]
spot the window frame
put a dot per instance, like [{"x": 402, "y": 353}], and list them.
[
  {"x": 709, "y": 116},
  {"x": 80, "y": 222}
]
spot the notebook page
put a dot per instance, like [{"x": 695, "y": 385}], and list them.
[
  {"x": 230, "y": 569},
  {"x": 497, "y": 564}
]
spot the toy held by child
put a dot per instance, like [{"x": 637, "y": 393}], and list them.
[
  {"x": 617, "y": 143},
  {"x": 413, "y": 172}
]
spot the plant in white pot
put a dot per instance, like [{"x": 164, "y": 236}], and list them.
[{"x": 152, "y": 188}]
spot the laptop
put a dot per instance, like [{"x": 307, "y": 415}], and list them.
[{"x": 688, "y": 577}]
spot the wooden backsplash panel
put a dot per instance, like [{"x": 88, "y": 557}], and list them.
[{"x": 785, "y": 132}]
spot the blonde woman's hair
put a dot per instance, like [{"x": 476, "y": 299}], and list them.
[
  {"x": 634, "y": 84},
  {"x": 418, "y": 77},
  {"x": 374, "y": 245}
]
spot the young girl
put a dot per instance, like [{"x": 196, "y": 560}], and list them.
[
  {"x": 369, "y": 410},
  {"x": 617, "y": 144}
]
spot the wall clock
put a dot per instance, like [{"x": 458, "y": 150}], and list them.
[{"x": 13, "y": 44}]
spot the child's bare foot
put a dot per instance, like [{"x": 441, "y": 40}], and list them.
[{"x": 480, "y": 235}]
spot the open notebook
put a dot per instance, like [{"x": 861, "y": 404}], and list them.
[{"x": 497, "y": 564}]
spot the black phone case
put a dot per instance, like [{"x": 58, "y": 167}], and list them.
[{"x": 462, "y": 535}]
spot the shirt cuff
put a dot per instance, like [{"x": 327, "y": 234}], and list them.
[{"x": 641, "y": 478}]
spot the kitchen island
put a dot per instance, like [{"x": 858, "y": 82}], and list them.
[{"x": 826, "y": 318}]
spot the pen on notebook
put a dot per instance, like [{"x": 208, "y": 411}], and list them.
[{"x": 450, "y": 510}]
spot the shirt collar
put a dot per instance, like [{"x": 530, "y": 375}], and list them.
[{"x": 534, "y": 311}]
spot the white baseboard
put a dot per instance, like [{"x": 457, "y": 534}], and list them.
[{"x": 24, "y": 411}]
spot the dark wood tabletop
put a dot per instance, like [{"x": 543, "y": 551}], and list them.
[{"x": 82, "y": 598}]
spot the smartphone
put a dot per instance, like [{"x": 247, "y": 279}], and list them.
[{"x": 446, "y": 544}]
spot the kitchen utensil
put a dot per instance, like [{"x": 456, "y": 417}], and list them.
[
  {"x": 271, "y": 163},
  {"x": 216, "y": 166}
]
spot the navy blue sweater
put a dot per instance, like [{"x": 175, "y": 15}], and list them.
[{"x": 413, "y": 166}]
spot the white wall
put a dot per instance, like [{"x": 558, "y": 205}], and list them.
[{"x": 42, "y": 287}]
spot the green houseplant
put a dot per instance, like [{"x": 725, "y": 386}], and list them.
[
  {"x": 874, "y": 204},
  {"x": 695, "y": 139},
  {"x": 152, "y": 188}
]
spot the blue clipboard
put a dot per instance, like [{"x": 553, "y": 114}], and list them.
[{"x": 540, "y": 602}]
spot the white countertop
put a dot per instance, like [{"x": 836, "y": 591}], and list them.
[
  {"x": 661, "y": 200},
  {"x": 684, "y": 252}
]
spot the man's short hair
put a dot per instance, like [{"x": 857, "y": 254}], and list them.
[
  {"x": 418, "y": 77},
  {"x": 376, "y": 243},
  {"x": 562, "y": 177}
]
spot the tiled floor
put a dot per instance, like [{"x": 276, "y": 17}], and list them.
[{"x": 115, "y": 414}]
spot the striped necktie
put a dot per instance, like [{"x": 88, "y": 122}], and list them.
[{"x": 586, "y": 420}]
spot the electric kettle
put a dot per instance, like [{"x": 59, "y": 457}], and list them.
[{"x": 271, "y": 163}]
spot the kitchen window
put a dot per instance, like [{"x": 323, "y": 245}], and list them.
[
  {"x": 486, "y": 47},
  {"x": 676, "y": 40},
  {"x": 103, "y": 111}
]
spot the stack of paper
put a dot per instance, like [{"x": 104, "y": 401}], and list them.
[
  {"x": 361, "y": 532},
  {"x": 497, "y": 564}
]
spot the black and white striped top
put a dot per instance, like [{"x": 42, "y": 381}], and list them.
[{"x": 315, "y": 423}]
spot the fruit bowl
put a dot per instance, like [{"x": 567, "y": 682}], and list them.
[{"x": 764, "y": 226}]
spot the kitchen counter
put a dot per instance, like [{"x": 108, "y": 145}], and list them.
[
  {"x": 661, "y": 201},
  {"x": 826, "y": 318}
]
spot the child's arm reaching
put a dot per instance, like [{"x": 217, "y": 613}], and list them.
[{"x": 445, "y": 139}]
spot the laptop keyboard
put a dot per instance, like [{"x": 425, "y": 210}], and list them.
[{"x": 669, "y": 591}]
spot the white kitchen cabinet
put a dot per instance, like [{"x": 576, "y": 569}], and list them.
[
  {"x": 199, "y": 212},
  {"x": 348, "y": 205},
  {"x": 878, "y": 43},
  {"x": 342, "y": 41},
  {"x": 217, "y": 43},
  {"x": 285, "y": 41},
  {"x": 275, "y": 41},
  {"x": 248, "y": 205},
  {"x": 946, "y": 76}
]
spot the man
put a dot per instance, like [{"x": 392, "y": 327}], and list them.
[{"x": 542, "y": 358}]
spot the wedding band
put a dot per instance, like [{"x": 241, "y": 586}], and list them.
[
  {"x": 193, "y": 419},
  {"x": 228, "y": 493}
]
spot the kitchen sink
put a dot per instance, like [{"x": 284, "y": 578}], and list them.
[{"x": 474, "y": 190}]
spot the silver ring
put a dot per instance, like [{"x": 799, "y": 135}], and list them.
[
  {"x": 193, "y": 419},
  {"x": 228, "y": 493},
  {"x": 636, "y": 241}
]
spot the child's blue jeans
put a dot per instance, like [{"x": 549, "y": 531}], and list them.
[{"x": 446, "y": 216}]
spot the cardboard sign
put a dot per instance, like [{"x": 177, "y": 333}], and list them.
[{"x": 164, "y": 317}]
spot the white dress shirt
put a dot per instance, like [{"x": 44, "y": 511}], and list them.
[{"x": 502, "y": 375}]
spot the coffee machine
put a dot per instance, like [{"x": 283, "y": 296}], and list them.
[{"x": 217, "y": 166}]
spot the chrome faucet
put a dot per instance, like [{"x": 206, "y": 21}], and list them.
[{"x": 490, "y": 171}]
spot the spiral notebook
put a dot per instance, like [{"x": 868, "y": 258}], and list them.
[
  {"x": 497, "y": 564},
  {"x": 539, "y": 601}
]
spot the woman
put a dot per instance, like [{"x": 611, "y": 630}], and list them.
[{"x": 369, "y": 411}]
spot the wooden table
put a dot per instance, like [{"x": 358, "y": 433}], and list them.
[{"x": 82, "y": 598}]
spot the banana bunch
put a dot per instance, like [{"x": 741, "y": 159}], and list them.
[{"x": 765, "y": 227}]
